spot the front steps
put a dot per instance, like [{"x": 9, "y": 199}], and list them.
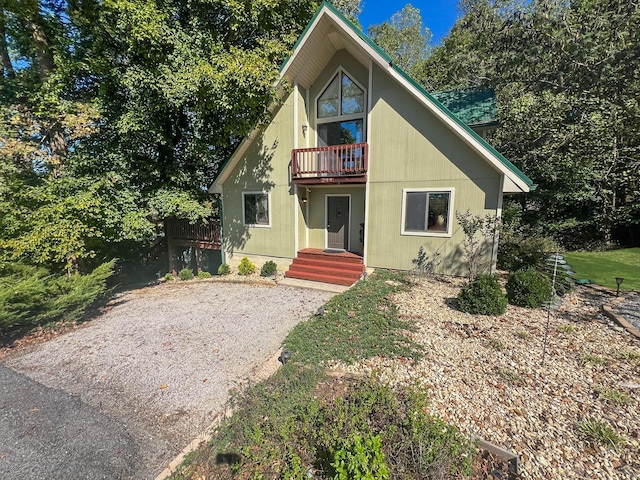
[{"x": 338, "y": 268}]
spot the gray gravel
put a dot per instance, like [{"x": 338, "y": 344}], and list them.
[
  {"x": 162, "y": 360},
  {"x": 629, "y": 309}
]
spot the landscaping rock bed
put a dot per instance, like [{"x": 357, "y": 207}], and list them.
[{"x": 485, "y": 375}]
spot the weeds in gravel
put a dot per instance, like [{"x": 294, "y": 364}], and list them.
[
  {"x": 523, "y": 334},
  {"x": 497, "y": 344},
  {"x": 593, "y": 360},
  {"x": 632, "y": 356},
  {"x": 510, "y": 375},
  {"x": 613, "y": 395},
  {"x": 599, "y": 431},
  {"x": 360, "y": 323},
  {"x": 566, "y": 328}
]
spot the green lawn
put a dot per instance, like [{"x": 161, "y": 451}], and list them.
[{"x": 604, "y": 267}]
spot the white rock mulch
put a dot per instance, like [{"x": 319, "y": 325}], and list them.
[{"x": 485, "y": 375}]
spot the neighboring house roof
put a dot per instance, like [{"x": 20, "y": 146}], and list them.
[
  {"x": 329, "y": 31},
  {"x": 476, "y": 107}
]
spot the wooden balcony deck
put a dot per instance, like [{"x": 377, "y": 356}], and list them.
[
  {"x": 334, "y": 164},
  {"x": 200, "y": 235}
]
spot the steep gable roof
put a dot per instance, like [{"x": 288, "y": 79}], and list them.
[{"x": 329, "y": 31}]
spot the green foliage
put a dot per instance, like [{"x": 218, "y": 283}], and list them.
[
  {"x": 613, "y": 395},
  {"x": 169, "y": 276},
  {"x": 483, "y": 296},
  {"x": 360, "y": 323},
  {"x": 268, "y": 269},
  {"x": 360, "y": 458},
  {"x": 246, "y": 267},
  {"x": 185, "y": 274},
  {"x": 479, "y": 235},
  {"x": 518, "y": 252},
  {"x": 202, "y": 274},
  {"x": 568, "y": 119},
  {"x": 404, "y": 39},
  {"x": 599, "y": 431},
  {"x": 528, "y": 288},
  {"x": 31, "y": 296},
  {"x": 224, "y": 269}
]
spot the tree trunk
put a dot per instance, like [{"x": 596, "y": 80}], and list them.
[{"x": 5, "y": 61}]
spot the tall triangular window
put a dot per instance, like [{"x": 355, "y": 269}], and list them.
[{"x": 341, "y": 112}]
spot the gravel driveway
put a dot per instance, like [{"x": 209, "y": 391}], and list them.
[{"x": 161, "y": 361}]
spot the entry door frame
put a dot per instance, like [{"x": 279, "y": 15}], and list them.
[{"x": 326, "y": 219}]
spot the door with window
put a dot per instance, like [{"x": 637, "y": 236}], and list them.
[{"x": 338, "y": 222}]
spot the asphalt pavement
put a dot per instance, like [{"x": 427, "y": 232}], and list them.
[{"x": 48, "y": 434}]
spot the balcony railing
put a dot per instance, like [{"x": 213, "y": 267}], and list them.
[
  {"x": 334, "y": 164},
  {"x": 206, "y": 232}
]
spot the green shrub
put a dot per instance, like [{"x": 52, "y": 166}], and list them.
[
  {"x": 246, "y": 267},
  {"x": 168, "y": 277},
  {"x": 516, "y": 252},
  {"x": 268, "y": 269},
  {"x": 203, "y": 274},
  {"x": 224, "y": 269},
  {"x": 360, "y": 458},
  {"x": 31, "y": 296},
  {"x": 483, "y": 296},
  {"x": 185, "y": 274},
  {"x": 528, "y": 288}
]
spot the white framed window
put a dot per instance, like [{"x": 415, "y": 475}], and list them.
[
  {"x": 340, "y": 111},
  {"x": 427, "y": 211},
  {"x": 255, "y": 209}
]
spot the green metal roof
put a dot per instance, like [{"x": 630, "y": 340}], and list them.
[{"x": 474, "y": 106}]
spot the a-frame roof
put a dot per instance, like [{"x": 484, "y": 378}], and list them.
[{"x": 329, "y": 31}]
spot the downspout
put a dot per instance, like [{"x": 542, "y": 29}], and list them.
[{"x": 496, "y": 233}]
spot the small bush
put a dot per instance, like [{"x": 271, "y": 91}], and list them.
[
  {"x": 518, "y": 251},
  {"x": 423, "y": 265},
  {"x": 360, "y": 458},
  {"x": 599, "y": 431},
  {"x": 528, "y": 288},
  {"x": 268, "y": 269},
  {"x": 203, "y": 274},
  {"x": 224, "y": 269},
  {"x": 246, "y": 267},
  {"x": 168, "y": 277},
  {"x": 185, "y": 274},
  {"x": 483, "y": 296}
]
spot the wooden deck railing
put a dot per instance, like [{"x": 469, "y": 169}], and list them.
[
  {"x": 333, "y": 161},
  {"x": 200, "y": 232}
]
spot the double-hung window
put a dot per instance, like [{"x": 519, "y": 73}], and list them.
[
  {"x": 255, "y": 209},
  {"x": 427, "y": 212}
]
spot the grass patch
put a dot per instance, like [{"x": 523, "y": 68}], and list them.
[
  {"x": 599, "y": 431},
  {"x": 496, "y": 344},
  {"x": 631, "y": 356},
  {"x": 302, "y": 424},
  {"x": 593, "y": 360},
  {"x": 604, "y": 267},
  {"x": 566, "y": 328},
  {"x": 360, "y": 323},
  {"x": 613, "y": 395},
  {"x": 523, "y": 334},
  {"x": 510, "y": 375}
]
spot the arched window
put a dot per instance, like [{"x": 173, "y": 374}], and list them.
[{"x": 341, "y": 112}]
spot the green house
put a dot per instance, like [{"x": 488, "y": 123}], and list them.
[{"x": 359, "y": 167}]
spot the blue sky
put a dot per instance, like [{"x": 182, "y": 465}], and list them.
[{"x": 438, "y": 15}]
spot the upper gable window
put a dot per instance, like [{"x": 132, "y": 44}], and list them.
[{"x": 341, "y": 97}]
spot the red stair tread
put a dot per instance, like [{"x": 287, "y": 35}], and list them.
[
  {"x": 340, "y": 268},
  {"x": 318, "y": 277}
]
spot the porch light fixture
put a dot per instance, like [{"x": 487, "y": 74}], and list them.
[
  {"x": 305, "y": 127},
  {"x": 304, "y": 199},
  {"x": 619, "y": 280}
]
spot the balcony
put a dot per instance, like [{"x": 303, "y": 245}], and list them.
[
  {"x": 327, "y": 165},
  {"x": 201, "y": 235}
]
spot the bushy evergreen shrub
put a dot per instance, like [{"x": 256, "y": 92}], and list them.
[
  {"x": 168, "y": 277},
  {"x": 528, "y": 288},
  {"x": 519, "y": 251},
  {"x": 268, "y": 269},
  {"x": 203, "y": 274},
  {"x": 224, "y": 269},
  {"x": 483, "y": 296},
  {"x": 185, "y": 274},
  {"x": 31, "y": 296},
  {"x": 246, "y": 267}
]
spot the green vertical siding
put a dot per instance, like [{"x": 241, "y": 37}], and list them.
[
  {"x": 411, "y": 148},
  {"x": 264, "y": 168}
]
